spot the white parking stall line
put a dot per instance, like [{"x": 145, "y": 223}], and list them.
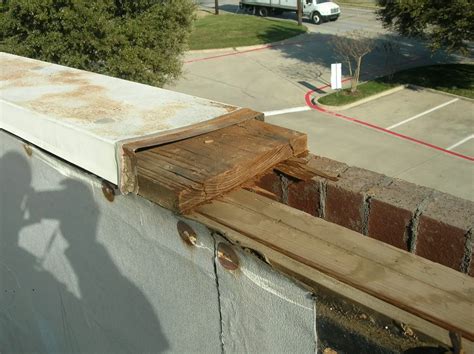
[
  {"x": 460, "y": 142},
  {"x": 287, "y": 110},
  {"x": 422, "y": 114}
]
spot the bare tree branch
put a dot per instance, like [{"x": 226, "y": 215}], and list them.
[{"x": 351, "y": 48}]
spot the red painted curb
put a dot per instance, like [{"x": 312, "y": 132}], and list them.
[
  {"x": 245, "y": 51},
  {"x": 310, "y": 103}
]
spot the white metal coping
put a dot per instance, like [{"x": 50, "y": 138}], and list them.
[{"x": 84, "y": 117}]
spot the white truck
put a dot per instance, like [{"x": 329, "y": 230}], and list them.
[{"x": 317, "y": 10}]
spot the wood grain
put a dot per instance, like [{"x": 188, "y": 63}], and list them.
[
  {"x": 299, "y": 168},
  {"x": 128, "y": 181},
  {"x": 434, "y": 293},
  {"x": 183, "y": 174}
]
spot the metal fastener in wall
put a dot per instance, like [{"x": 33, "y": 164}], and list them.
[
  {"x": 108, "y": 191},
  {"x": 227, "y": 256},
  {"x": 187, "y": 233},
  {"x": 28, "y": 149}
]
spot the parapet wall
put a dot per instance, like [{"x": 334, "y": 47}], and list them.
[
  {"x": 421, "y": 220},
  {"x": 85, "y": 270}
]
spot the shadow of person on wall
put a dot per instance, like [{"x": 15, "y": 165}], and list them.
[
  {"x": 28, "y": 292},
  {"x": 112, "y": 314}
]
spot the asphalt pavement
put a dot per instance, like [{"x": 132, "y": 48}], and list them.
[{"x": 277, "y": 78}]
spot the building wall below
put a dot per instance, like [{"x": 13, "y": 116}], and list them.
[{"x": 80, "y": 273}]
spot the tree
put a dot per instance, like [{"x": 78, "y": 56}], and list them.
[
  {"x": 447, "y": 24},
  {"x": 139, "y": 40},
  {"x": 216, "y": 7},
  {"x": 299, "y": 12},
  {"x": 351, "y": 48}
]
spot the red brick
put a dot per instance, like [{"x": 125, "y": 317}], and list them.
[
  {"x": 304, "y": 196},
  {"x": 345, "y": 198},
  {"x": 392, "y": 209},
  {"x": 270, "y": 182},
  {"x": 442, "y": 230}
]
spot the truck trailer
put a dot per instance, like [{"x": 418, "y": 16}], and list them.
[{"x": 317, "y": 10}]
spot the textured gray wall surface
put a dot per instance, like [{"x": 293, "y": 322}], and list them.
[
  {"x": 263, "y": 311},
  {"x": 81, "y": 274}
]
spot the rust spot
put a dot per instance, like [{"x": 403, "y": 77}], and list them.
[
  {"x": 68, "y": 77},
  {"x": 187, "y": 233},
  {"x": 14, "y": 69},
  {"x": 108, "y": 191},
  {"x": 227, "y": 256},
  {"x": 86, "y": 103},
  {"x": 28, "y": 149}
]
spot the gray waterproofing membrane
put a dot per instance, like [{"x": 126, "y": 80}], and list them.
[{"x": 81, "y": 274}]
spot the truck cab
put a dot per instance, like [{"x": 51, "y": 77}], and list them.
[{"x": 321, "y": 10}]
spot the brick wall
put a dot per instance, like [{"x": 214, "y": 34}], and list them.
[{"x": 421, "y": 220}]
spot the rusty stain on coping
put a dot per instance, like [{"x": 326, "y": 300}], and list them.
[
  {"x": 89, "y": 103},
  {"x": 86, "y": 103},
  {"x": 85, "y": 98},
  {"x": 13, "y": 69}
]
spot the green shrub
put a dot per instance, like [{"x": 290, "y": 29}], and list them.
[{"x": 139, "y": 40}]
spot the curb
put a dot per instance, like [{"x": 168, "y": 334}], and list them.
[
  {"x": 249, "y": 47},
  {"x": 362, "y": 101}
]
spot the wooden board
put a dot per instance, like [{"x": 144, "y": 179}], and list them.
[
  {"x": 316, "y": 280},
  {"x": 424, "y": 289},
  {"x": 183, "y": 174},
  {"x": 128, "y": 175}
]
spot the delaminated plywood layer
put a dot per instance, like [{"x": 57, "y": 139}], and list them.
[{"x": 186, "y": 173}]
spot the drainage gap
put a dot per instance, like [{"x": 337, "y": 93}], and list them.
[
  {"x": 467, "y": 259},
  {"x": 365, "y": 215}
]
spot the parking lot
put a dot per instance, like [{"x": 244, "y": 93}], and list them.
[
  {"x": 422, "y": 137},
  {"x": 275, "y": 79},
  {"x": 441, "y": 120}
]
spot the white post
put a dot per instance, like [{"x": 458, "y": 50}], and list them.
[{"x": 336, "y": 76}]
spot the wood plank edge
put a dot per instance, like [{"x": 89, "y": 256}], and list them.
[
  {"x": 226, "y": 120},
  {"x": 311, "y": 276}
]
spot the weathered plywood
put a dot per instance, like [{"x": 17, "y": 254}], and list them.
[
  {"x": 186, "y": 173},
  {"x": 434, "y": 293}
]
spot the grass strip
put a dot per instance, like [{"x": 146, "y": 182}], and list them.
[
  {"x": 457, "y": 79},
  {"x": 229, "y": 30}
]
